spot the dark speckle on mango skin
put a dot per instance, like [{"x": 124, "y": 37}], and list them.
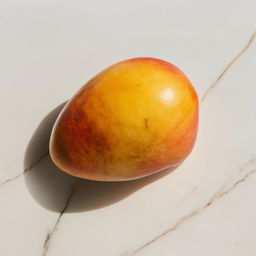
[
  {"x": 77, "y": 115},
  {"x": 146, "y": 123}
]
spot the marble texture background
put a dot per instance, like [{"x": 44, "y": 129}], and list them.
[{"x": 48, "y": 50}]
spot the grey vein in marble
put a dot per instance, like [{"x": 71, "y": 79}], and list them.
[
  {"x": 11, "y": 179},
  {"x": 230, "y": 64},
  {"x": 219, "y": 194},
  {"x": 25, "y": 170},
  {"x": 252, "y": 161},
  {"x": 50, "y": 234}
]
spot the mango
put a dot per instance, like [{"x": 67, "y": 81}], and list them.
[{"x": 133, "y": 119}]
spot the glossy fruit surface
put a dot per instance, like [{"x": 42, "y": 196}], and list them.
[{"x": 133, "y": 119}]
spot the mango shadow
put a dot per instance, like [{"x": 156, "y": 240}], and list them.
[{"x": 51, "y": 187}]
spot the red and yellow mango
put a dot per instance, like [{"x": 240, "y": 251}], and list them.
[{"x": 133, "y": 119}]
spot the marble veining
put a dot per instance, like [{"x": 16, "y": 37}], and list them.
[
  {"x": 49, "y": 234},
  {"x": 25, "y": 170},
  {"x": 224, "y": 190},
  {"x": 240, "y": 53}
]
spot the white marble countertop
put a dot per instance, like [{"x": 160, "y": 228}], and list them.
[{"x": 207, "y": 206}]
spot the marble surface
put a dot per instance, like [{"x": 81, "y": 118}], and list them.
[{"x": 207, "y": 206}]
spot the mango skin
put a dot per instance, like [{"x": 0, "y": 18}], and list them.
[{"x": 133, "y": 119}]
